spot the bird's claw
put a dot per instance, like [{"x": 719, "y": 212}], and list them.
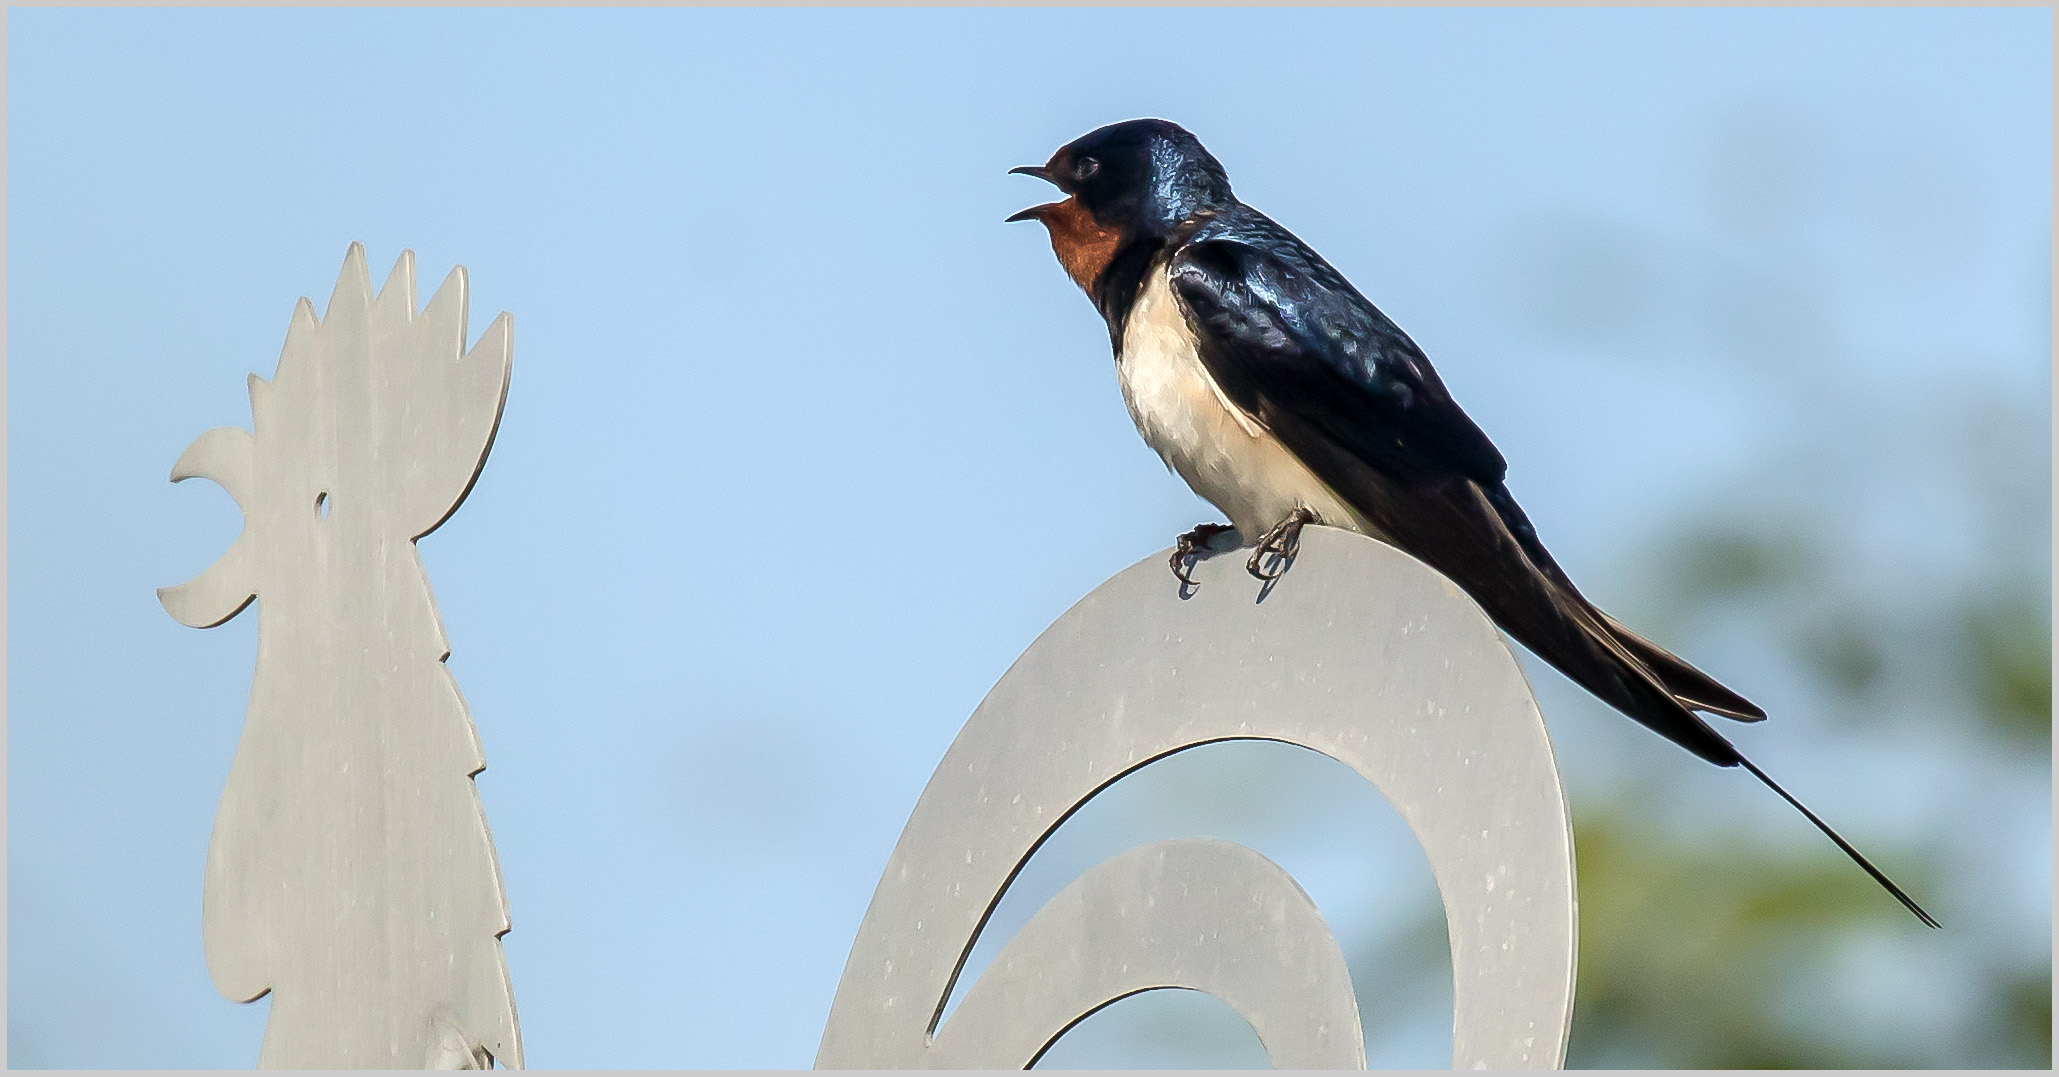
[
  {"x": 1190, "y": 547},
  {"x": 1283, "y": 542}
]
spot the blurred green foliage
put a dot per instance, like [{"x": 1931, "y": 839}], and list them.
[
  {"x": 1690, "y": 950},
  {"x": 1684, "y": 948},
  {"x": 2005, "y": 659},
  {"x": 1692, "y": 947}
]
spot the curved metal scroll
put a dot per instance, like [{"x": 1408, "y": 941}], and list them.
[
  {"x": 1361, "y": 653},
  {"x": 1125, "y": 926}
]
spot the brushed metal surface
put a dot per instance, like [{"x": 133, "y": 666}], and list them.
[
  {"x": 1359, "y": 652},
  {"x": 1204, "y": 915},
  {"x": 350, "y": 874}
]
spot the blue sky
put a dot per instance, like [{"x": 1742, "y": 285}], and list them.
[{"x": 804, "y": 444}]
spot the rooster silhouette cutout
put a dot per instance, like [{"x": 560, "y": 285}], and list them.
[{"x": 350, "y": 873}]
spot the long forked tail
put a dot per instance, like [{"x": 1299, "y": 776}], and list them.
[{"x": 1856, "y": 856}]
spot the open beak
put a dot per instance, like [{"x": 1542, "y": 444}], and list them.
[{"x": 1034, "y": 213}]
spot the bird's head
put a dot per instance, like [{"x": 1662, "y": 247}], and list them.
[{"x": 1139, "y": 179}]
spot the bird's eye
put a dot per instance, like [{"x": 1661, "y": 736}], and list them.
[{"x": 1084, "y": 168}]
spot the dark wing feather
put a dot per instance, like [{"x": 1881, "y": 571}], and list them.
[
  {"x": 1692, "y": 687},
  {"x": 1688, "y": 684},
  {"x": 1353, "y": 398},
  {"x": 1311, "y": 343},
  {"x": 1357, "y": 401}
]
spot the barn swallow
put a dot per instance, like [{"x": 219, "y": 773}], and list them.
[{"x": 1284, "y": 398}]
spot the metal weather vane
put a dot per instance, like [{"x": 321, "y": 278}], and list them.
[{"x": 350, "y": 874}]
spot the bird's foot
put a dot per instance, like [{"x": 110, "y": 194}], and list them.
[
  {"x": 1190, "y": 548},
  {"x": 1282, "y": 543}
]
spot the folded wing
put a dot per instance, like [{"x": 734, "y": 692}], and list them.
[{"x": 1349, "y": 393}]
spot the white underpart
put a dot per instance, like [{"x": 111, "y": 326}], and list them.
[{"x": 1225, "y": 455}]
